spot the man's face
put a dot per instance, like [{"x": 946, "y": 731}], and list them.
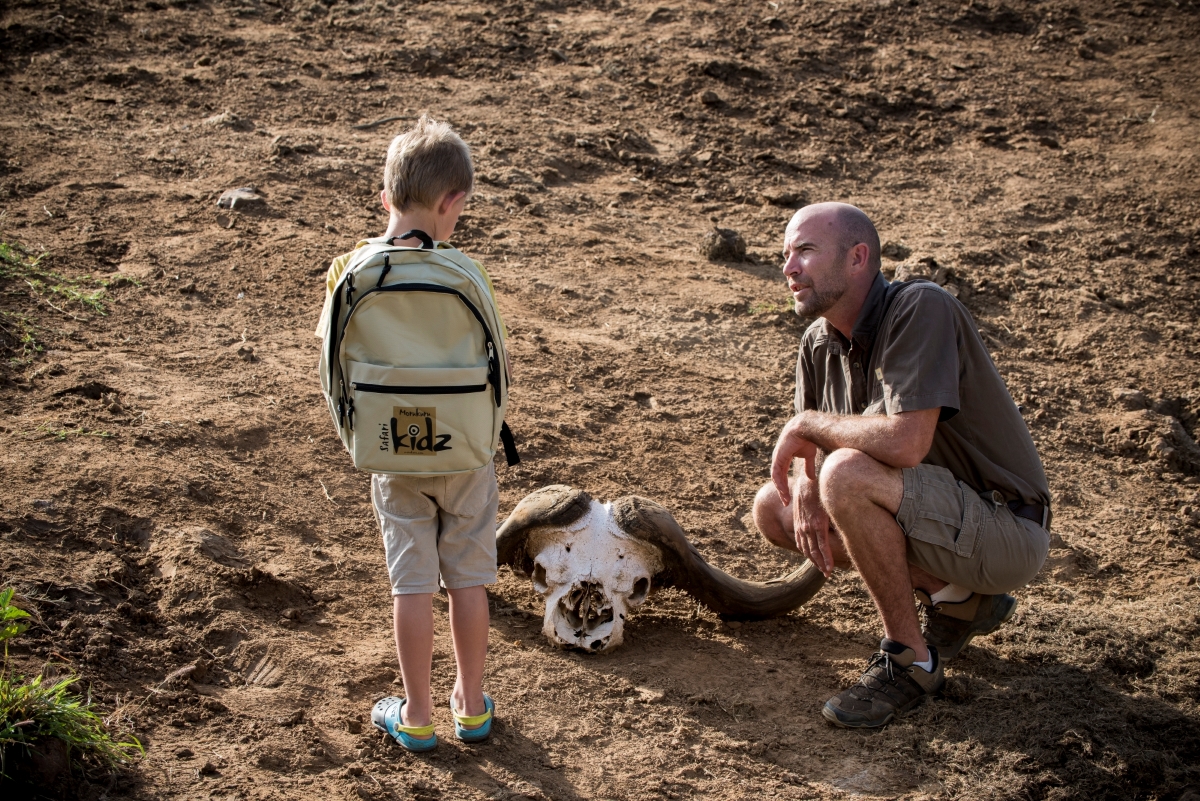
[{"x": 814, "y": 264}]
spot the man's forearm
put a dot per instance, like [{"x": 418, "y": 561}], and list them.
[{"x": 890, "y": 439}]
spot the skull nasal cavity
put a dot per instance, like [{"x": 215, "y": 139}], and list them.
[{"x": 585, "y": 607}]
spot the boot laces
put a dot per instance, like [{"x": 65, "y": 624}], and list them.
[{"x": 884, "y": 659}]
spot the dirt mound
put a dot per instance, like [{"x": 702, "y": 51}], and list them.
[{"x": 201, "y": 551}]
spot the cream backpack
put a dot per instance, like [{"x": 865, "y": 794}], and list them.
[{"x": 413, "y": 364}]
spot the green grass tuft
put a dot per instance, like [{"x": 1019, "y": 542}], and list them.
[
  {"x": 40, "y": 708},
  {"x": 18, "y": 264}
]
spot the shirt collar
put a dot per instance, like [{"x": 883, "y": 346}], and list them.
[{"x": 871, "y": 315}]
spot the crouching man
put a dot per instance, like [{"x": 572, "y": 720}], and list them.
[{"x": 911, "y": 462}]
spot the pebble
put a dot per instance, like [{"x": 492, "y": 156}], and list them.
[
  {"x": 294, "y": 719},
  {"x": 240, "y": 198},
  {"x": 1131, "y": 399},
  {"x": 723, "y": 244},
  {"x": 710, "y": 98},
  {"x": 183, "y": 753},
  {"x": 650, "y": 695}
]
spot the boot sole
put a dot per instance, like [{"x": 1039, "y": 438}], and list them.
[
  {"x": 831, "y": 715},
  {"x": 987, "y": 627}
]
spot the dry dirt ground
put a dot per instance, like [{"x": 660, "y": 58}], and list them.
[{"x": 179, "y": 512}]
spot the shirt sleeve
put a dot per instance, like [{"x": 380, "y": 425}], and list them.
[
  {"x": 806, "y": 379},
  {"x": 919, "y": 362},
  {"x": 487, "y": 278},
  {"x": 336, "y": 268}
]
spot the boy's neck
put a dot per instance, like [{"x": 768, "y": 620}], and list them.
[{"x": 418, "y": 219}]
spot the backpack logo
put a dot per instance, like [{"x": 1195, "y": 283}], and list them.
[{"x": 414, "y": 432}]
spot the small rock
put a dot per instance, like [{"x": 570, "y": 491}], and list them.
[
  {"x": 895, "y": 251},
  {"x": 723, "y": 244},
  {"x": 204, "y": 61},
  {"x": 710, "y": 98},
  {"x": 704, "y": 157},
  {"x": 227, "y": 119},
  {"x": 1031, "y": 244},
  {"x": 354, "y": 726},
  {"x": 1172, "y": 407},
  {"x": 650, "y": 695},
  {"x": 279, "y": 147},
  {"x": 209, "y": 769},
  {"x": 246, "y": 353},
  {"x": 1131, "y": 399},
  {"x": 100, "y": 640},
  {"x": 787, "y": 200},
  {"x": 294, "y": 719},
  {"x": 241, "y": 198},
  {"x": 223, "y": 118},
  {"x": 214, "y": 706},
  {"x": 183, "y": 753}
]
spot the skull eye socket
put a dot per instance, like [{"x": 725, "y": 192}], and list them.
[
  {"x": 539, "y": 578},
  {"x": 641, "y": 588}
]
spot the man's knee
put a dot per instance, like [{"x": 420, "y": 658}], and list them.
[
  {"x": 845, "y": 474},
  {"x": 768, "y": 513}
]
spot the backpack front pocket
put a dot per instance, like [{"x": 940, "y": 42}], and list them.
[{"x": 420, "y": 420}]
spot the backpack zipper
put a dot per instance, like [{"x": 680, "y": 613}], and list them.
[{"x": 406, "y": 390}]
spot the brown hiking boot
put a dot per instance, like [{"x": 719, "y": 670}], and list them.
[
  {"x": 889, "y": 687},
  {"x": 949, "y": 627}
]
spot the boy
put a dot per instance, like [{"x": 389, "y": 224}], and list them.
[{"x": 433, "y": 526}]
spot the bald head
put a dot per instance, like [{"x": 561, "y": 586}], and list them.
[{"x": 849, "y": 224}]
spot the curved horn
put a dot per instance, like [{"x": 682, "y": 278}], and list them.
[
  {"x": 556, "y": 505},
  {"x": 684, "y": 567}
]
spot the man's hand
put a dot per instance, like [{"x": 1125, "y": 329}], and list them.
[
  {"x": 811, "y": 525},
  {"x": 791, "y": 445}
]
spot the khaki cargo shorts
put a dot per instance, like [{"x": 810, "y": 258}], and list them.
[
  {"x": 438, "y": 526},
  {"x": 964, "y": 538}
]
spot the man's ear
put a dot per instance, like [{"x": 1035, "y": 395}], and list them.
[
  {"x": 860, "y": 257},
  {"x": 449, "y": 200},
  {"x": 384, "y": 200}
]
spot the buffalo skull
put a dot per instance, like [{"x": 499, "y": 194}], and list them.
[{"x": 596, "y": 562}]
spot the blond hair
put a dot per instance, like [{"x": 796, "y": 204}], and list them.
[{"x": 426, "y": 163}]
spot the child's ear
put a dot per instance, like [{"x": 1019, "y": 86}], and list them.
[
  {"x": 383, "y": 199},
  {"x": 449, "y": 200}
]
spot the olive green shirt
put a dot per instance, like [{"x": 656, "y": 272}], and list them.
[{"x": 922, "y": 352}]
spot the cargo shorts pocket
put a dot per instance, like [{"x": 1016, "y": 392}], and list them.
[{"x": 943, "y": 511}]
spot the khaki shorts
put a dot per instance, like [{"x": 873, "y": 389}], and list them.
[
  {"x": 965, "y": 538},
  {"x": 438, "y": 526}
]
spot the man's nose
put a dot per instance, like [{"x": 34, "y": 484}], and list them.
[{"x": 791, "y": 265}]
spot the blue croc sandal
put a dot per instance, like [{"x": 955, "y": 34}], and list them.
[
  {"x": 482, "y": 722},
  {"x": 387, "y": 716}
]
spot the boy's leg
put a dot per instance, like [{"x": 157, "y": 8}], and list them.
[
  {"x": 467, "y": 559},
  {"x": 469, "y": 629},
  {"x": 413, "y": 618}
]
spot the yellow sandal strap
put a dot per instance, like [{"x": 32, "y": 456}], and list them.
[
  {"x": 470, "y": 720},
  {"x": 414, "y": 731}
]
